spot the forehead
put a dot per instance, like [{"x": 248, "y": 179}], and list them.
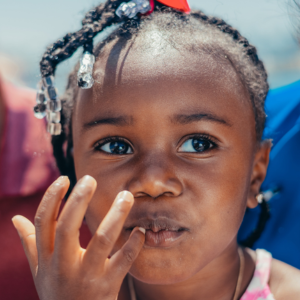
[
  {"x": 155, "y": 54},
  {"x": 152, "y": 72}
]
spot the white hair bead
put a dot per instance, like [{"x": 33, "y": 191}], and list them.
[
  {"x": 132, "y": 8},
  {"x": 85, "y": 72},
  {"x": 49, "y": 105}
]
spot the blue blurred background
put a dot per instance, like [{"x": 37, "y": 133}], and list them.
[{"x": 27, "y": 27}]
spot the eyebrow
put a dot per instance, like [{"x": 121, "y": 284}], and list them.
[
  {"x": 187, "y": 119},
  {"x": 115, "y": 121}
]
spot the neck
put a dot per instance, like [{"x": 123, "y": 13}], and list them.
[{"x": 217, "y": 280}]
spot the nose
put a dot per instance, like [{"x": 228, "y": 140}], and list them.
[{"x": 154, "y": 179}]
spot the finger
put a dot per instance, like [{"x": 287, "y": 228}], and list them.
[
  {"x": 71, "y": 217},
  {"x": 46, "y": 215},
  {"x": 121, "y": 261},
  {"x": 108, "y": 232},
  {"x": 26, "y": 232}
]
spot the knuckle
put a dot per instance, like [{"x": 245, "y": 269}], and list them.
[
  {"x": 103, "y": 239},
  {"x": 77, "y": 195},
  {"x": 62, "y": 230},
  {"x": 129, "y": 255},
  {"x": 38, "y": 221},
  {"x": 61, "y": 276}
]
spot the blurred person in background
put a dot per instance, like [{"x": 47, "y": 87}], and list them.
[
  {"x": 281, "y": 188},
  {"x": 27, "y": 168}
]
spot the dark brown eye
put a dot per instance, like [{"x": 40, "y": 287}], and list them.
[
  {"x": 116, "y": 147},
  {"x": 196, "y": 145}
]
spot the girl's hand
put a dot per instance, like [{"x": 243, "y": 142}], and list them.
[{"x": 63, "y": 270}]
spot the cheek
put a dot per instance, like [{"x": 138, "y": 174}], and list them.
[
  {"x": 111, "y": 179},
  {"x": 222, "y": 187}
]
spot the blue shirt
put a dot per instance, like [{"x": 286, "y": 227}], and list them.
[{"x": 282, "y": 232}]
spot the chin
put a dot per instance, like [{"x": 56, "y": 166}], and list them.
[{"x": 163, "y": 267}]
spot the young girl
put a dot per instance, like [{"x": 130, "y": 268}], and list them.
[{"x": 170, "y": 121}]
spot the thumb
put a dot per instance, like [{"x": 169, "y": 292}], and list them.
[{"x": 26, "y": 231}]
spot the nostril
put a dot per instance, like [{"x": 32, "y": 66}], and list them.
[
  {"x": 168, "y": 194},
  {"x": 141, "y": 194}
]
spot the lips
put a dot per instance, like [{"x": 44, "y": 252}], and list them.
[
  {"x": 160, "y": 232},
  {"x": 162, "y": 238}
]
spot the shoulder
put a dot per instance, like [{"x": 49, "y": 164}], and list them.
[{"x": 284, "y": 281}]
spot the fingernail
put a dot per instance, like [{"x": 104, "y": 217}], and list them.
[
  {"x": 87, "y": 180},
  {"x": 143, "y": 230},
  {"x": 124, "y": 196}
]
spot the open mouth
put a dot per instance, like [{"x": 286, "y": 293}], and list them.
[{"x": 160, "y": 232}]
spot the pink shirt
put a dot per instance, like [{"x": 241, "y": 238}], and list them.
[{"x": 258, "y": 288}]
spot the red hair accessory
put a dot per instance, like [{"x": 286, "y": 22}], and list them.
[
  {"x": 145, "y": 7},
  {"x": 177, "y": 4}
]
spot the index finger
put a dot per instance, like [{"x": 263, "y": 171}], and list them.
[{"x": 109, "y": 230}]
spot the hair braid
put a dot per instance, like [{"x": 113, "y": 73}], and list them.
[
  {"x": 95, "y": 21},
  {"x": 251, "y": 53},
  {"x": 63, "y": 144},
  {"x": 261, "y": 224}
]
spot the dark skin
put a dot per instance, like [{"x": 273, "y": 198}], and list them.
[{"x": 159, "y": 106}]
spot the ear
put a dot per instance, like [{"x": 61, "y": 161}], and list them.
[{"x": 259, "y": 172}]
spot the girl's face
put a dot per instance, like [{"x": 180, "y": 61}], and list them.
[{"x": 178, "y": 132}]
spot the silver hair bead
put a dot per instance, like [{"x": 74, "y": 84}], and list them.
[
  {"x": 49, "y": 105},
  {"x": 54, "y": 128},
  {"x": 143, "y": 6},
  {"x": 54, "y": 105},
  {"x": 53, "y": 117},
  {"x": 132, "y": 8},
  {"x": 128, "y": 10},
  {"x": 48, "y": 81},
  {"x": 40, "y": 97},
  {"x": 51, "y": 93},
  {"x": 40, "y": 111},
  {"x": 85, "y": 72}
]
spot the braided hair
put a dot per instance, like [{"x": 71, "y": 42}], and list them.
[
  {"x": 264, "y": 216},
  {"x": 220, "y": 39}
]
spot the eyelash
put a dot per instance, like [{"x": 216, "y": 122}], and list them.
[
  {"x": 206, "y": 137},
  {"x": 99, "y": 144}
]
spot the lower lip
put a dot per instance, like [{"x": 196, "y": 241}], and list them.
[{"x": 163, "y": 238}]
